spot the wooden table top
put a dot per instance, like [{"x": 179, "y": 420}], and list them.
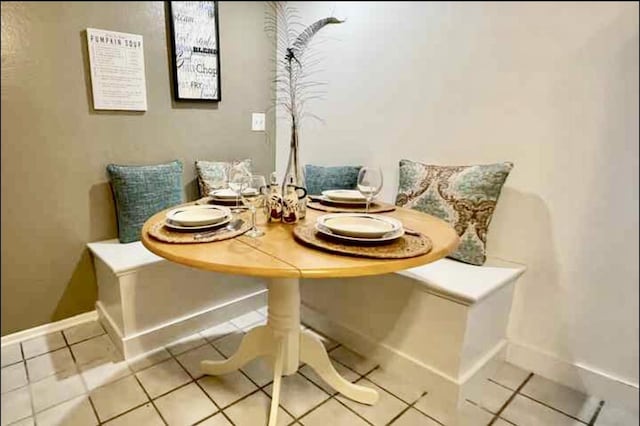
[{"x": 278, "y": 254}]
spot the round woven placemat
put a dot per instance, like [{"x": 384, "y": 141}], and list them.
[
  {"x": 162, "y": 233},
  {"x": 402, "y": 248},
  {"x": 373, "y": 207}
]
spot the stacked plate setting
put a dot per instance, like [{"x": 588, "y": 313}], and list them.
[
  {"x": 227, "y": 196},
  {"x": 197, "y": 217},
  {"x": 343, "y": 197},
  {"x": 359, "y": 227}
]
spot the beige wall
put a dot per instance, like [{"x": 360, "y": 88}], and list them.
[
  {"x": 552, "y": 87},
  {"x": 55, "y": 195}
]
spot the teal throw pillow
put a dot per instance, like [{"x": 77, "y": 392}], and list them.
[
  {"x": 142, "y": 191},
  {"x": 321, "y": 178},
  {"x": 463, "y": 196}
]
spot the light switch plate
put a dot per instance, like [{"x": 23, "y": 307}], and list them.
[{"x": 257, "y": 121}]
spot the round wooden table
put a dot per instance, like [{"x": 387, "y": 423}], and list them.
[{"x": 278, "y": 257}]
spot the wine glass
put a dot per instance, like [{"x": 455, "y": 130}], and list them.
[
  {"x": 253, "y": 197},
  {"x": 369, "y": 183},
  {"x": 238, "y": 178}
]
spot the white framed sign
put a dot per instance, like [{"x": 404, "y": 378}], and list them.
[
  {"x": 117, "y": 70},
  {"x": 196, "y": 50}
]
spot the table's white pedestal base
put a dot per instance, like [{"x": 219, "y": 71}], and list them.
[{"x": 282, "y": 340}]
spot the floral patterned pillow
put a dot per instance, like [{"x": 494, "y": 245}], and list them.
[
  {"x": 463, "y": 196},
  {"x": 212, "y": 174}
]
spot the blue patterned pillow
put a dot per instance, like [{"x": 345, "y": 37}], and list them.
[
  {"x": 463, "y": 196},
  {"x": 142, "y": 191},
  {"x": 320, "y": 178},
  {"x": 212, "y": 174}
]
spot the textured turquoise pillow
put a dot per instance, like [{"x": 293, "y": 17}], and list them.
[
  {"x": 142, "y": 191},
  {"x": 464, "y": 196},
  {"x": 320, "y": 178}
]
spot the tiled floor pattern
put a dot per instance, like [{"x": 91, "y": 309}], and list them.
[{"x": 76, "y": 377}]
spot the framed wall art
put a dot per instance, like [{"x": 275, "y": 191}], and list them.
[{"x": 196, "y": 51}]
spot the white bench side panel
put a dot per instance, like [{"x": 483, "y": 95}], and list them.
[
  {"x": 109, "y": 292},
  {"x": 393, "y": 310},
  {"x": 486, "y": 327},
  {"x": 155, "y": 294}
]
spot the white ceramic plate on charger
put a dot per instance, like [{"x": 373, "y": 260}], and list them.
[
  {"x": 227, "y": 194},
  {"x": 344, "y": 195},
  {"x": 359, "y": 225},
  {"x": 328, "y": 200},
  {"x": 387, "y": 237},
  {"x": 198, "y": 215}
]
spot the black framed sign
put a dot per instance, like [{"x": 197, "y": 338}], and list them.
[{"x": 196, "y": 51}]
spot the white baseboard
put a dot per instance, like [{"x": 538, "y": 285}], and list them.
[
  {"x": 576, "y": 375},
  {"x": 176, "y": 328},
  {"x": 48, "y": 328}
]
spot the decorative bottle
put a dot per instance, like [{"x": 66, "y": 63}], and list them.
[
  {"x": 294, "y": 170},
  {"x": 274, "y": 202}
]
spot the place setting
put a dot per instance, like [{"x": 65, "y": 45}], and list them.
[
  {"x": 361, "y": 200},
  {"x": 363, "y": 234},
  {"x": 236, "y": 178},
  {"x": 199, "y": 224}
]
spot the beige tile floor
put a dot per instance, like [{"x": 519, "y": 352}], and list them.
[{"x": 77, "y": 377}]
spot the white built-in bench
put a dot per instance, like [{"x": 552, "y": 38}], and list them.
[
  {"x": 145, "y": 301},
  {"x": 442, "y": 326}
]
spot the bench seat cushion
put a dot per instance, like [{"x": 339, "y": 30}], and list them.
[
  {"x": 121, "y": 258},
  {"x": 462, "y": 282}
]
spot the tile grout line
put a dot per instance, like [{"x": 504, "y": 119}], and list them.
[
  {"x": 84, "y": 384},
  {"x": 427, "y": 415},
  {"x": 557, "y": 410},
  {"x": 352, "y": 410},
  {"x": 329, "y": 396},
  {"x": 508, "y": 401},
  {"x": 150, "y": 399},
  {"x": 220, "y": 408},
  {"x": 336, "y": 393},
  {"x": 26, "y": 372},
  {"x": 195, "y": 380},
  {"x": 596, "y": 414},
  {"x": 544, "y": 403},
  {"x": 406, "y": 409}
]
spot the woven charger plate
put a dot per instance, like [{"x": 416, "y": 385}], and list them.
[
  {"x": 373, "y": 208},
  {"x": 162, "y": 233},
  {"x": 402, "y": 248}
]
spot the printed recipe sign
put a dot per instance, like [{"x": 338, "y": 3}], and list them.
[
  {"x": 194, "y": 28},
  {"x": 117, "y": 70}
]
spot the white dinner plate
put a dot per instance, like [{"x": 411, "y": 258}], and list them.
[
  {"x": 172, "y": 225},
  {"x": 359, "y": 225},
  {"x": 385, "y": 238},
  {"x": 328, "y": 200},
  {"x": 223, "y": 194},
  {"x": 198, "y": 215},
  {"x": 344, "y": 195},
  {"x": 227, "y": 194}
]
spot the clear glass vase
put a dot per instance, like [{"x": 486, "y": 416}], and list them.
[{"x": 294, "y": 169}]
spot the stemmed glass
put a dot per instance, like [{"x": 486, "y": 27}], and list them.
[
  {"x": 238, "y": 178},
  {"x": 369, "y": 183},
  {"x": 253, "y": 197}
]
